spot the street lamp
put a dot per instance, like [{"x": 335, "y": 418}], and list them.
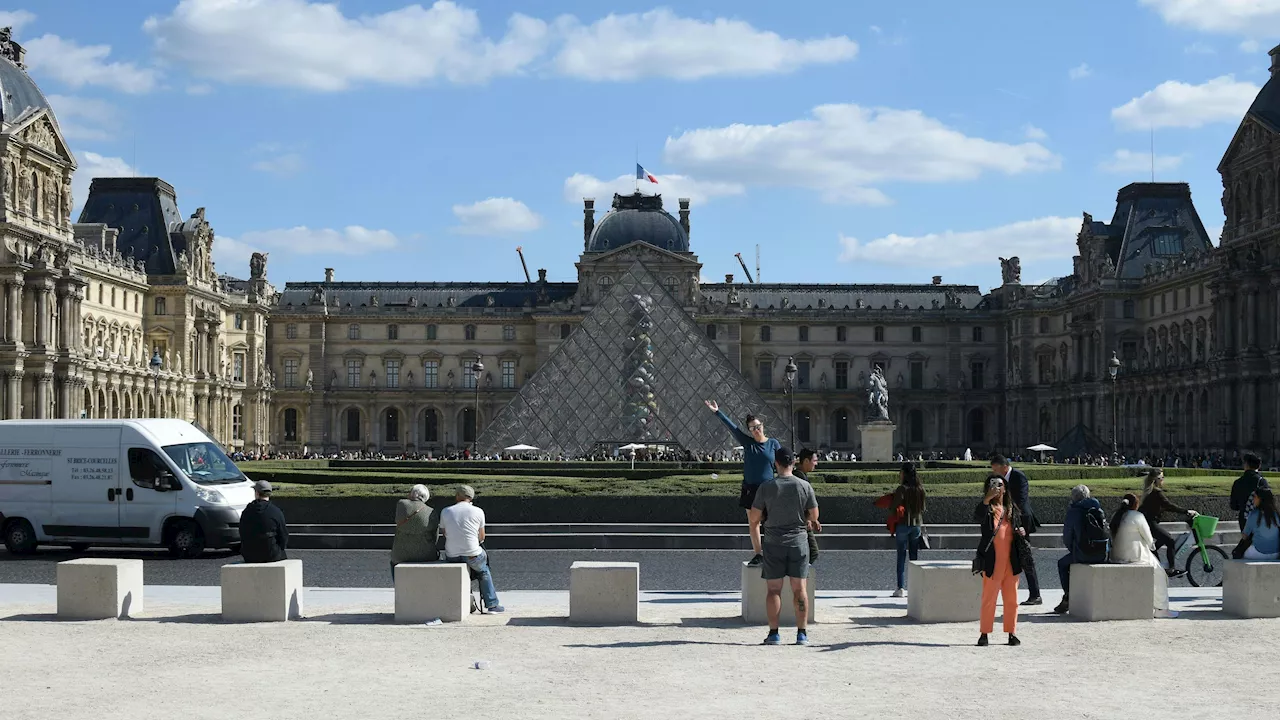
[
  {"x": 789, "y": 384},
  {"x": 1113, "y": 367},
  {"x": 477, "y": 367},
  {"x": 156, "y": 364},
  {"x": 1170, "y": 427}
]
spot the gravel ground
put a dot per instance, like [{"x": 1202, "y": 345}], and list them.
[
  {"x": 685, "y": 570},
  {"x": 687, "y": 660}
]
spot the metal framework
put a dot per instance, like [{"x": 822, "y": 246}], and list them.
[{"x": 637, "y": 369}]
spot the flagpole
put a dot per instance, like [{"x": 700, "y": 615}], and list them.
[{"x": 637, "y": 173}]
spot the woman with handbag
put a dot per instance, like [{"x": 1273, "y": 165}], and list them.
[
  {"x": 1133, "y": 543},
  {"x": 1262, "y": 528},
  {"x": 1001, "y": 552},
  {"x": 909, "y": 500}
]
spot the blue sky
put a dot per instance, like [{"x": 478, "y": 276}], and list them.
[{"x": 853, "y": 141}]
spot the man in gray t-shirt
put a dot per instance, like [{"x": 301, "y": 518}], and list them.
[{"x": 786, "y": 508}]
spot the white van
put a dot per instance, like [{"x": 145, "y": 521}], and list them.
[{"x": 118, "y": 482}]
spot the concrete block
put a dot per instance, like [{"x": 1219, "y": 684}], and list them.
[
  {"x": 877, "y": 441},
  {"x": 754, "y": 591},
  {"x": 262, "y": 592},
  {"x": 943, "y": 591},
  {"x": 99, "y": 589},
  {"x": 604, "y": 593},
  {"x": 1112, "y": 592},
  {"x": 425, "y": 591},
  {"x": 1251, "y": 589}
]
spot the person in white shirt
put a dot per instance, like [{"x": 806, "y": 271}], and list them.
[
  {"x": 462, "y": 525},
  {"x": 1132, "y": 543}
]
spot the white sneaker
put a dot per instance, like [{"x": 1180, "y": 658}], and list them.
[{"x": 899, "y": 593}]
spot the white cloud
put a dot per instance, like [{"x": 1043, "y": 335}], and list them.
[
  {"x": 92, "y": 165},
  {"x": 877, "y": 29},
  {"x": 1199, "y": 48},
  {"x": 660, "y": 44},
  {"x": 844, "y": 151},
  {"x": 1249, "y": 46},
  {"x": 16, "y": 18},
  {"x": 281, "y": 165},
  {"x": 82, "y": 118},
  {"x": 1080, "y": 71},
  {"x": 495, "y": 216},
  {"x": 1232, "y": 17},
  {"x": 1127, "y": 162},
  {"x": 1041, "y": 239},
  {"x": 1177, "y": 104},
  {"x": 302, "y": 240},
  {"x": 199, "y": 89},
  {"x": 77, "y": 66},
  {"x": 671, "y": 187},
  {"x": 1034, "y": 133},
  {"x": 231, "y": 255}
]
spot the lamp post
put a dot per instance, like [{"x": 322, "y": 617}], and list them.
[
  {"x": 1113, "y": 367},
  {"x": 477, "y": 367},
  {"x": 789, "y": 384},
  {"x": 156, "y": 364},
  {"x": 1170, "y": 427}
]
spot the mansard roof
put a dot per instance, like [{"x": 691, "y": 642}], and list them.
[
  {"x": 840, "y": 296},
  {"x": 144, "y": 210},
  {"x": 1154, "y": 223},
  {"x": 425, "y": 295}
]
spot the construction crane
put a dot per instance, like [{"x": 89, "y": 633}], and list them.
[
  {"x": 520, "y": 252},
  {"x": 743, "y": 263}
]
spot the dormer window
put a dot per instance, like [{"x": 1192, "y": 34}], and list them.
[{"x": 1167, "y": 243}]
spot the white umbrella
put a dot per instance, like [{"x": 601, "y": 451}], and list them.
[
  {"x": 1041, "y": 448},
  {"x": 520, "y": 448},
  {"x": 632, "y": 448}
]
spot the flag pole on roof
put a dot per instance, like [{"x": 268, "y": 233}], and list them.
[{"x": 642, "y": 174}]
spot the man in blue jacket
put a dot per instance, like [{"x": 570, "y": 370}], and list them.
[
  {"x": 1080, "y": 535},
  {"x": 1019, "y": 488}
]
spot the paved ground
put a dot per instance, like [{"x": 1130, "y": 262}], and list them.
[{"x": 676, "y": 570}]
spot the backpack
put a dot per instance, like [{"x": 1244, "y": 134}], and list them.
[{"x": 1094, "y": 542}]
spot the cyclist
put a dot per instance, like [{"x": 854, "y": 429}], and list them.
[{"x": 1153, "y": 506}]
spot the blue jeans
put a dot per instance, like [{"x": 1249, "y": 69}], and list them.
[
  {"x": 908, "y": 540},
  {"x": 480, "y": 566}
]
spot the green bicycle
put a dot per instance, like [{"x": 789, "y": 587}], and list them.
[{"x": 1205, "y": 562}]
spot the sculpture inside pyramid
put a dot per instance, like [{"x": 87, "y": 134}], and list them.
[{"x": 636, "y": 370}]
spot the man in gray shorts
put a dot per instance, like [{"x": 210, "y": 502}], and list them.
[{"x": 787, "y": 508}]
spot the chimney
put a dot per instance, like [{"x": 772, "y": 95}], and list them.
[
  {"x": 1275, "y": 60},
  {"x": 684, "y": 215},
  {"x": 937, "y": 279},
  {"x": 728, "y": 278},
  {"x": 588, "y": 220},
  {"x": 328, "y": 275}
]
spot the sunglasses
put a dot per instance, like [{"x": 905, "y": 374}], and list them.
[{"x": 755, "y": 426}]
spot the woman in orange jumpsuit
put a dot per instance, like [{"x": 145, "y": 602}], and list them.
[{"x": 1000, "y": 554}]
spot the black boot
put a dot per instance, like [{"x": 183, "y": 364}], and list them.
[
  {"x": 982, "y": 640},
  {"x": 1013, "y": 640}
]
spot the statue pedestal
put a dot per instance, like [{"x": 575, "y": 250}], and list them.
[{"x": 877, "y": 441}]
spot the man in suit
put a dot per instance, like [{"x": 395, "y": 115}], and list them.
[{"x": 1020, "y": 489}]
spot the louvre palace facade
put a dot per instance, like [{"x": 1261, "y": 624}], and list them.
[{"x": 121, "y": 313}]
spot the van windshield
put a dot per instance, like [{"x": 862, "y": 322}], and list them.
[{"x": 204, "y": 463}]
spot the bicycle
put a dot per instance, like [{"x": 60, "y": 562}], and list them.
[{"x": 1205, "y": 562}]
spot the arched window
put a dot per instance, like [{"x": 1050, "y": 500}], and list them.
[
  {"x": 353, "y": 425},
  {"x": 470, "y": 332},
  {"x": 391, "y": 426},
  {"x": 915, "y": 426},
  {"x": 290, "y": 425},
  {"x": 671, "y": 284},
  {"x": 565, "y": 329},
  {"x": 803, "y": 426},
  {"x": 840, "y": 425},
  {"x": 430, "y": 426},
  {"x": 468, "y": 418},
  {"x": 977, "y": 425}
]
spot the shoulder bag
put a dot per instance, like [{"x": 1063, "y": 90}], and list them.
[{"x": 976, "y": 567}]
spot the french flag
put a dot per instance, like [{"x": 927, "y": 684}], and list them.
[{"x": 642, "y": 174}]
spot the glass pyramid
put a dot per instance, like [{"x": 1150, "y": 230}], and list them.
[{"x": 636, "y": 370}]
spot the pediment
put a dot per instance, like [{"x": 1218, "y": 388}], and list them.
[
  {"x": 40, "y": 132},
  {"x": 641, "y": 252},
  {"x": 1250, "y": 137}
]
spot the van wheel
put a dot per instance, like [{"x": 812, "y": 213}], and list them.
[
  {"x": 20, "y": 537},
  {"x": 79, "y": 547},
  {"x": 186, "y": 540}
]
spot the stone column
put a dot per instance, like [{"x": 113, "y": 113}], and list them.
[
  {"x": 1253, "y": 318},
  {"x": 39, "y": 330},
  {"x": 41, "y": 410},
  {"x": 13, "y": 330},
  {"x": 13, "y": 399}
]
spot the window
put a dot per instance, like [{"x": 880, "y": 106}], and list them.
[
  {"x": 431, "y": 373},
  {"x": 291, "y": 425},
  {"x": 1044, "y": 368},
  {"x": 145, "y": 467},
  {"x": 1127, "y": 310},
  {"x": 802, "y": 374},
  {"x": 1151, "y": 306},
  {"x": 975, "y": 371},
  {"x": 469, "y": 332},
  {"x": 355, "y": 367},
  {"x": 840, "y": 424},
  {"x": 1175, "y": 301},
  {"x": 391, "y": 426},
  {"x": 671, "y": 284},
  {"x": 842, "y": 375},
  {"x": 291, "y": 331},
  {"x": 99, "y": 293},
  {"x": 1201, "y": 302},
  {"x": 237, "y": 367},
  {"x": 766, "y": 374},
  {"x": 431, "y": 332},
  {"x": 804, "y": 426},
  {"x": 430, "y": 426},
  {"x": 804, "y": 333},
  {"x": 291, "y": 372},
  {"x": 879, "y": 333},
  {"x": 977, "y": 426},
  {"x": 113, "y": 297},
  {"x": 135, "y": 302},
  {"x": 353, "y": 332},
  {"x": 393, "y": 374},
  {"x": 468, "y": 425},
  {"x": 1044, "y": 325},
  {"x": 468, "y": 374},
  {"x": 1164, "y": 303},
  {"x": 508, "y": 374},
  {"x": 160, "y": 306},
  {"x": 508, "y": 332},
  {"x": 711, "y": 332},
  {"x": 1167, "y": 243},
  {"x": 915, "y": 426},
  {"x": 766, "y": 334},
  {"x": 604, "y": 282},
  {"x": 917, "y": 374},
  {"x": 1187, "y": 299},
  {"x": 237, "y": 422},
  {"x": 917, "y": 334},
  {"x": 977, "y": 334},
  {"x": 353, "y": 425},
  {"x": 393, "y": 332},
  {"x": 842, "y": 334},
  {"x": 239, "y": 321},
  {"x": 565, "y": 329}
]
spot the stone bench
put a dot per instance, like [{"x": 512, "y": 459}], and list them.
[
  {"x": 99, "y": 589},
  {"x": 1251, "y": 589},
  {"x": 755, "y": 590},
  {"x": 1112, "y": 592},
  {"x": 943, "y": 591},
  {"x": 262, "y": 592},
  {"x": 604, "y": 593},
  {"x": 426, "y": 591}
]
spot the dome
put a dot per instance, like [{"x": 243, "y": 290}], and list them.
[
  {"x": 19, "y": 95},
  {"x": 638, "y": 218}
]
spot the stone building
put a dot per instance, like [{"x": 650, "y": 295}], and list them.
[{"x": 121, "y": 314}]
